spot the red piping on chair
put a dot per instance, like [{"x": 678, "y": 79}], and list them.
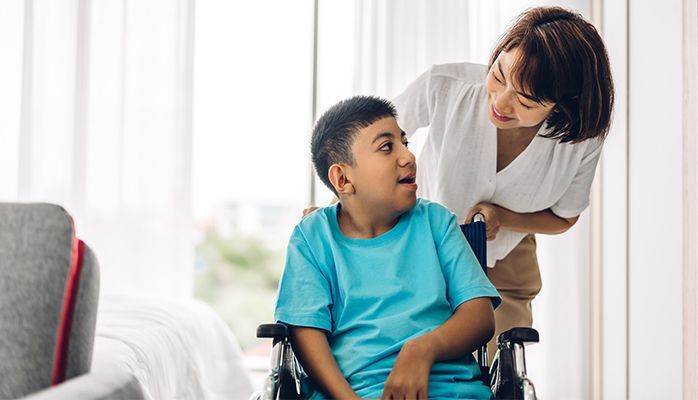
[{"x": 66, "y": 322}]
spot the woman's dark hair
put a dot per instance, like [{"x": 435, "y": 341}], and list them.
[{"x": 562, "y": 60}]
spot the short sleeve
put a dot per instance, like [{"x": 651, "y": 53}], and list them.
[
  {"x": 304, "y": 291},
  {"x": 576, "y": 197},
  {"x": 414, "y": 105},
  {"x": 464, "y": 277}
]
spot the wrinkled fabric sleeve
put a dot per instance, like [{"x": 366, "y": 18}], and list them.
[
  {"x": 576, "y": 197},
  {"x": 415, "y": 104},
  {"x": 304, "y": 291}
]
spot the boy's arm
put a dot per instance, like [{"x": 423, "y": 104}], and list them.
[
  {"x": 471, "y": 325},
  {"x": 313, "y": 352}
]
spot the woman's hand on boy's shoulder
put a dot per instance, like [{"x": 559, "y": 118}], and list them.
[
  {"x": 313, "y": 208},
  {"x": 309, "y": 210}
]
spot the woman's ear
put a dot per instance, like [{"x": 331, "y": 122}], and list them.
[{"x": 339, "y": 179}]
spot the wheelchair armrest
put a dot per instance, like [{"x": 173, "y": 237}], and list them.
[
  {"x": 518, "y": 335},
  {"x": 276, "y": 331}
]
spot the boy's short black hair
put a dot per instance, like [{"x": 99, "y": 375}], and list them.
[{"x": 335, "y": 131}]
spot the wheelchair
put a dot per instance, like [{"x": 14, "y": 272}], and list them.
[{"x": 507, "y": 376}]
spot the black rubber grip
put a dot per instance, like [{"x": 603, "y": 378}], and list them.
[
  {"x": 519, "y": 335},
  {"x": 272, "y": 331}
]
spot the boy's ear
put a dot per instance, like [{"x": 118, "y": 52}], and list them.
[{"x": 339, "y": 179}]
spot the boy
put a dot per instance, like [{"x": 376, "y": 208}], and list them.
[{"x": 383, "y": 295}]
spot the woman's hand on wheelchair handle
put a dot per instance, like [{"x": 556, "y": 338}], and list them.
[
  {"x": 491, "y": 213},
  {"x": 409, "y": 378}
]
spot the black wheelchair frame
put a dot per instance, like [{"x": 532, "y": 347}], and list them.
[{"x": 507, "y": 376}]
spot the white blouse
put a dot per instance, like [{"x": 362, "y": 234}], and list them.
[{"x": 458, "y": 163}]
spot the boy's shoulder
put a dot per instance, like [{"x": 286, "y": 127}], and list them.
[
  {"x": 320, "y": 216},
  {"x": 317, "y": 224},
  {"x": 431, "y": 208},
  {"x": 435, "y": 215}
]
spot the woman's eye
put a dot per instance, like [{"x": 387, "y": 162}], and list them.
[{"x": 386, "y": 147}]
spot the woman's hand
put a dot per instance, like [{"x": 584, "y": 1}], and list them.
[
  {"x": 491, "y": 212},
  {"x": 309, "y": 210},
  {"x": 409, "y": 378}
]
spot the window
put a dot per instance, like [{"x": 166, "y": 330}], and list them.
[{"x": 253, "y": 92}]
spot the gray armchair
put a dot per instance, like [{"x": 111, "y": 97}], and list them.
[{"x": 49, "y": 289}]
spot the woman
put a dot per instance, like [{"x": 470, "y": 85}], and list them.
[{"x": 517, "y": 141}]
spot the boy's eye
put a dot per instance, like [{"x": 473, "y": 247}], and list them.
[
  {"x": 406, "y": 143},
  {"x": 386, "y": 147}
]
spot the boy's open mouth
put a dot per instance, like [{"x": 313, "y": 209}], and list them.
[{"x": 408, "y": 180}]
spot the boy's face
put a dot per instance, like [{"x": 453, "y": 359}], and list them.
[{"x": 384, "y": 171}]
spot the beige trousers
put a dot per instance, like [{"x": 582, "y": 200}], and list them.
[{"x": 517, "y": 278}]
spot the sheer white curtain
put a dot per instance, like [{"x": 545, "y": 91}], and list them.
[
  {"x": 398, "y": 40},
  {"x": 395, "y": 41},
  {"x": 95, "y": 115}
]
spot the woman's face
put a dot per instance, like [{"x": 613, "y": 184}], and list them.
[{"x": 509, "y": 106}]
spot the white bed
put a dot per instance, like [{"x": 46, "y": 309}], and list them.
[{"x": 176, "y": 349}]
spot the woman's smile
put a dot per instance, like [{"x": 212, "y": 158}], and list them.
[{"x": 498, "y": 116}]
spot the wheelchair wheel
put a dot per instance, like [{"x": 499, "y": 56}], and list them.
[
  {"x": 493, "y": 375},
  {"x": 289, "y": 381}
]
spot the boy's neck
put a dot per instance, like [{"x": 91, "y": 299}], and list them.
[{"x": 358, "y": 223}]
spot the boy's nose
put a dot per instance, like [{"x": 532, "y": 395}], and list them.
[{"x": 407, "y": 158}]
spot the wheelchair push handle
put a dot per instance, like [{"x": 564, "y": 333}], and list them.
[
  {"x": 276, "y": 331},
  {"x": 519, "y": 335},
  {"x": 478, "y": 218}
]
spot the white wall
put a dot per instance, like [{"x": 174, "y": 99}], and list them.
[
  {"x": 655, "y": 208},
  {"x": 642, "y": 209},
  {"x": 614, "y": 174}
]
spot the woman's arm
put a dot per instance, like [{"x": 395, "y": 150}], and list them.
[
  {"x": 313, "y": 352},
  {"x": 497, "y": 217}
]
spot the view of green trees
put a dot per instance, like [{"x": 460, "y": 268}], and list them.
[{"x": 238, "y": 277}]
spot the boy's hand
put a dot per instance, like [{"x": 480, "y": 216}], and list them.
[
  {"x": 409, "y": 378},
  {"x": 491, "y": 214}
]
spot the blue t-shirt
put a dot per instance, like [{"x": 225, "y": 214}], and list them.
[{"x": 373, "y": 295}]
